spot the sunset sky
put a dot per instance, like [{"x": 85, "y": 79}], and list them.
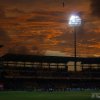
[{"x": 41, "y": 27}]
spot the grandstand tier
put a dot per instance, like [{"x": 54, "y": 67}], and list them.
[{"x": 20, "y": 72}]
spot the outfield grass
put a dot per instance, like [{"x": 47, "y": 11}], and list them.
[{"x": 27, "y": 95}]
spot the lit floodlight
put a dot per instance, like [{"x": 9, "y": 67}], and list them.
[{"x": 74, "y": 20}]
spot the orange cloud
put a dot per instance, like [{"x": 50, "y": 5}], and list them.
[{"x": 41, "y": 26}]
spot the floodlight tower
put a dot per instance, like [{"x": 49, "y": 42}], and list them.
[{"x": 74, "y": 21}]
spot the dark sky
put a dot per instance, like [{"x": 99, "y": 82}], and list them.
[
  {"x": 95, "y": 7},
  {"x": 40, "y": 27}
]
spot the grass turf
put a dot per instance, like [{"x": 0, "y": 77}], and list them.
[{"x": 27, "y": 95}]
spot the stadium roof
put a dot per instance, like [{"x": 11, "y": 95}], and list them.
[{"x": 49, "y": 59}]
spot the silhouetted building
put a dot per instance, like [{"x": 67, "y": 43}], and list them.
[{"x": 21, "y": 72}]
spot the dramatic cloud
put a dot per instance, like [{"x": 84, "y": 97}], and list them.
[
  {"x": 41, "y": 27},
  {"x": 95, "y": 6},
  {"x": 4, "y": 37},
  {"x": 2, "y": 13}
]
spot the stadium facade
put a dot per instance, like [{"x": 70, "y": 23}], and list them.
[{"x": 28, "y": 72}]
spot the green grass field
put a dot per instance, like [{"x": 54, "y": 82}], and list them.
[{"x": 28, "y": 95}]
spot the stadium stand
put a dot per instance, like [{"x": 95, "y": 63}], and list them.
[{"x": 47, "y": 73}]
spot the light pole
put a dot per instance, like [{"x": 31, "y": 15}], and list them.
[{"x": 75, "y": 21}]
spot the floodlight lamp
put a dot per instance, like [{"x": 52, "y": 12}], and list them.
[{"x": 74, "y": 20}]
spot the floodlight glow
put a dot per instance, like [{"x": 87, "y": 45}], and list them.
[{"x": 74, "y": 20}]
